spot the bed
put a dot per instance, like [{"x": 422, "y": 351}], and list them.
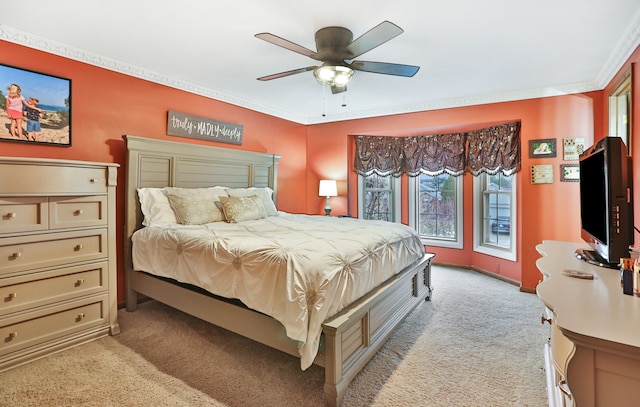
[{"x": 341, "y": 338}]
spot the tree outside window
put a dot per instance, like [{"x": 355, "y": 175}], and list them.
[
  {"x": 437, "y": 206},
  {"x": 379, "y": 197}
]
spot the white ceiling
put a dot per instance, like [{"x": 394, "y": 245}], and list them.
[{"x": 470, "y": 52}]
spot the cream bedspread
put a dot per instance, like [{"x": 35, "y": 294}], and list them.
[{"x": 298, "y": 269}]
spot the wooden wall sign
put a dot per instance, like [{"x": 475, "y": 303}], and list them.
[{"x": 186, "y": 125}]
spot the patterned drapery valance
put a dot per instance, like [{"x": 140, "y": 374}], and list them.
[{"x": 491, "y": 150}]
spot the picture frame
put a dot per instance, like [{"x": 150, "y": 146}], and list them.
[
  {"x": 542, "y": 148},
  {"x": 542, "y": 174},
  {"x": 569, "y": 172},
  {"x": 573, "y": 147},
  {"x": 22, "y": 119}
]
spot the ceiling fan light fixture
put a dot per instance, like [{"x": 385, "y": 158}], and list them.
[{"x": 333, "y": 75}]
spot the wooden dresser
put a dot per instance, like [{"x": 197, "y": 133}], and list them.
[
  {"x": 57, "y": 256},
  {"x": 594, "y": 348}
]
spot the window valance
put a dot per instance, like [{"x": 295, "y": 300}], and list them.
[{"x": 491, "y": 150}]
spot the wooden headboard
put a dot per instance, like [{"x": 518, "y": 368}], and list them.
[{"x": 153, "y": 163}]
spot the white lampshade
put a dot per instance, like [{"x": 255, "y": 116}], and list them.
[{"x": 328, "y": 187}]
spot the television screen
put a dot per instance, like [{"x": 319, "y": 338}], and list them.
[
  {"x": 606, "y": 202},
  {"x": 594, "y": 208}
]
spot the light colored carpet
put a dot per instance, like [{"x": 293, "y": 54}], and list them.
[{"x": 478, "y": 343}]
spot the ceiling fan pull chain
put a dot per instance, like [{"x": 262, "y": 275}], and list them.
[{"x": 324, "y": 86}]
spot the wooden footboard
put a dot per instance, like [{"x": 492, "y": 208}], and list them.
[
  {"x": 350, "y": 339},
  {"x": 354, "y": 336}
]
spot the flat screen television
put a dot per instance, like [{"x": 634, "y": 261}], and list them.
[{"x": 606, "y": 202}]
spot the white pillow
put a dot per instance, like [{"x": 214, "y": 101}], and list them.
[
  {"x": 240, "y": 208},
  {"x": 196, "y": 206},
  {"x": 155, "y": 207},
  {"x": 265, "y": 195}
]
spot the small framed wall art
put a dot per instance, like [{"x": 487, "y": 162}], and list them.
[
  {"x": 542, "y": 174},
  {"x": 34, "y": 107},
  {"x": 542, "y": 148},
  {"x": 569, "y": 173},
  {"x": 573, "y": 147}
]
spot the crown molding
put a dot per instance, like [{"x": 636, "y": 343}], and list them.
[
  {"x": 47, "y": 45},
  {"x": 618, "y": 57},
  {"x": 567, "y": 89},
  {"x": 620, "y": 54}
]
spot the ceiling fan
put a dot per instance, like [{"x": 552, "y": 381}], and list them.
[{"x": 336, "y": 49}]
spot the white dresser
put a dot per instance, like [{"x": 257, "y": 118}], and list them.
[
  {"x": 594, "y": 348},
  {"x": 57, "y": 256}
]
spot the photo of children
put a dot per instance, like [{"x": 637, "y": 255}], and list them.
[
  {"x": 33, "y": 119},
  {"x": 34, "y": 107},
  {"x": 14, "y": 110},
  {"x": 543, "y": 148}
]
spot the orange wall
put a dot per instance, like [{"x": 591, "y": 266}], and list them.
[
  {"x": 544, "y": 211},
  {"x": 108, "y": 105}
]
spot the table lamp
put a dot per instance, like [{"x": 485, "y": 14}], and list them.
[{"x": 328, "y": 188}]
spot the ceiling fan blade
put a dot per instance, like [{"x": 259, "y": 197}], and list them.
[
  {"x": 375, "y": 37},
  {"x": 385, "y": 68},
  {"x": 287, "y": 73},
  {"x": 281, "y": 42}
]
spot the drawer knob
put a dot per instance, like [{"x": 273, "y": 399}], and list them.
[
  {"x": 12, "y": 296},
  {"x": 79, "y": 282},
  {"x": 93, "y": 180},
  {"x": 78, "y": 212},
  {"x": 11, "y": 215},
  {"x": 544, "y": 319},
  {"x": 80, "y": 317},
  {"x": 16, "y": 255},
  {"x": 13, "y": 335},
  {"x": 78, "y": 247}
]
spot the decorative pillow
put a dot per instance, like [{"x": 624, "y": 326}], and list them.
[
  {"x": 265, "y": 194},
  {"x": 196, "y": 206},
  {"x": 155, "y": 207},
  {"x": 240, "y": 208}
]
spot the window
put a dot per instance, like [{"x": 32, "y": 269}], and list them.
[
  {"x": 620, "y": 109},
  {"x": 494, "y": 215},
  {"x": 435, "y": 209},
  {"x": 379, "y": 197}
]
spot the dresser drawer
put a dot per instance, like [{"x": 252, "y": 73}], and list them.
[
  {"x": 52, "y": 179},
  {"x": 38, "y": 289},
  {"x": 23, "y": 214},
  {"x": 67, "y": 212},
  {"x": 51, "y": 249},
  {"x": 561, "y": 349},
  {"x": 40, "y": 326}
]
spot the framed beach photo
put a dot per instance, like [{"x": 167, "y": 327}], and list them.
[{"x": 34, "y": 107}]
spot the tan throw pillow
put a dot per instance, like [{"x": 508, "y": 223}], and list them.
[
  {"x": 265, "y": 194},
  {"x": 241, "y": 208},
  {"x": 196, "y": 206}
]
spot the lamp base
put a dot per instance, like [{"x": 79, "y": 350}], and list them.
[{"x": 327, "y": 211}]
